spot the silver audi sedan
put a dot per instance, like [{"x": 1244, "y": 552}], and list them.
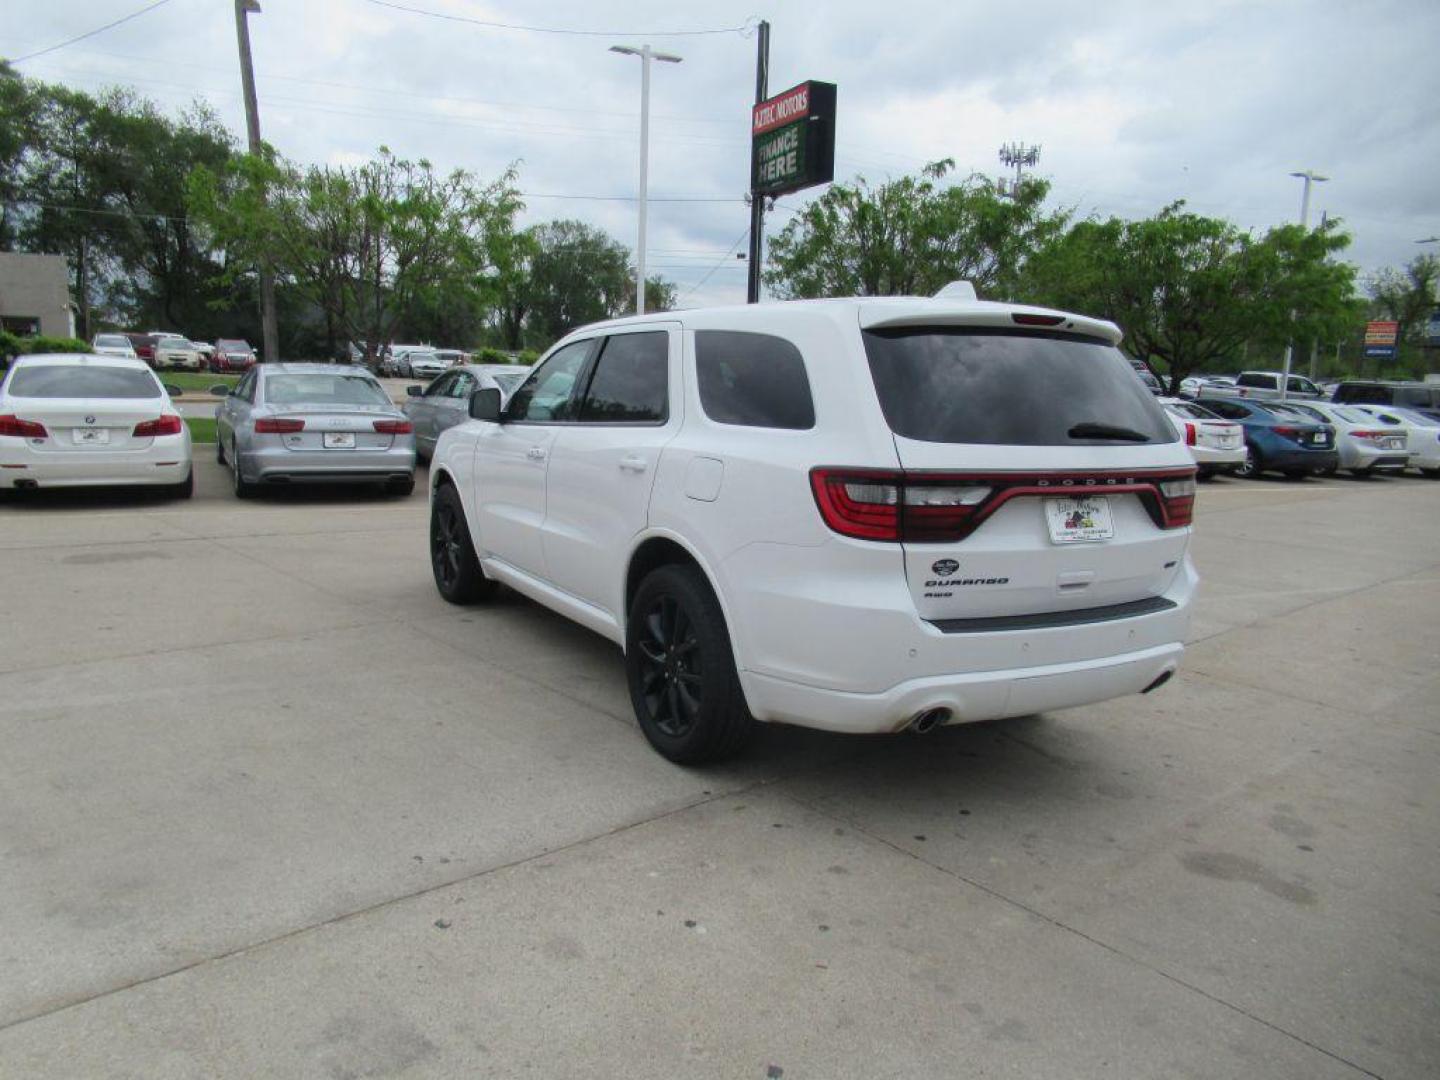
[{"x": 302, "y": 423}]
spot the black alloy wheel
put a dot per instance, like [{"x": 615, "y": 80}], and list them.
[
  {"x": 458, "y": 576},
  {"x": 681, "y": 669}
]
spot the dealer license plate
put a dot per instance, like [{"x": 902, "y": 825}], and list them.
[
  {"x": 339, "y": 440},
  {"x": 91, "y": 436},
  {"x": 1085, "y": 519},
  {"x": 1319, "y": 438}
]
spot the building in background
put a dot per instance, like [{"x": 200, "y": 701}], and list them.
[{"x": 35, "y": 295}]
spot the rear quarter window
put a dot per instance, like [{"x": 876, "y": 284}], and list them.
[
  {"x": 1005, "y": 387},
  {"x": 753, "y": 380}
]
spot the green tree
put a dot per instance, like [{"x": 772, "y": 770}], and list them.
[
  {"x": 1190, "y": 291},
  {"x": 578, "y": 274},
  {"x": 911, "y": 237},
  {"x": 381, "y": 247}
]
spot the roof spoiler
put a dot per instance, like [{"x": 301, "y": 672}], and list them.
[{"x": 957, "y": 290}]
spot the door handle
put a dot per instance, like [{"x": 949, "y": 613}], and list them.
[
  {"x": 634, "y": 463},
  {"x": 536, "y": 453}
]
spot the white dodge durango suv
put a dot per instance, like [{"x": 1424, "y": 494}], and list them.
[{"x": 863, "y": 515}]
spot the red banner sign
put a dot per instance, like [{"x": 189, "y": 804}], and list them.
[
  {"x": 778, "y": 111},
  {"x": 1381, "y": 332}
]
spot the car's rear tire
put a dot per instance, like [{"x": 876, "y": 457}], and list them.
[
  {"x": 1430, "y": 474},
  {"x": 186, "y": 488},
  {"x": 1296, "y": 474},
  {"x": 681, "y": 669},
  {"x": 219, "y": 449},
  {"x": 243, "y": 488},
  {"x": 453, "y": 561},
  {"x": 1362, "y": 474},
  {"x": 400, "y": 487},
  {"x": 1252, "y": 466}
]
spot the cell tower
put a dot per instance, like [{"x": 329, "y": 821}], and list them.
[{"x": 1019, "y": 156}]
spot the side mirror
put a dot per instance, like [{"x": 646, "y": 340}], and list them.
[
  {"x": 485, "y": 404},
  {"x": 414, "y": 391},
  {"x": 220, "y": 390},
  {"x": 173, "y": 391}
]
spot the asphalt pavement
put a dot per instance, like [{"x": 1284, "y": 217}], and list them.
[{"x": 269, "y": 807}]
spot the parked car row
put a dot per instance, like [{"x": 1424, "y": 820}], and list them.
[{"x": 163, "y": 350}]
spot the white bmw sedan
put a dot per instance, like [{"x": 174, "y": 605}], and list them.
[{"x": 76, "y": 421}]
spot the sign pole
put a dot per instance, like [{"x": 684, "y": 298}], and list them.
[{"x": 757, "y": 200}]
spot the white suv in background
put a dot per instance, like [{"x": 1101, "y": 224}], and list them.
[{"x": 863, "y": 515}]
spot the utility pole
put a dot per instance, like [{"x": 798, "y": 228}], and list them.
[
  {"x": 1310, "y": 176},
  {"x": 646, "y": 54},
  {"x": 1019, "y": 156},
  {"x": 757, "y": 201},
  {"x": 269, "y": 328}
]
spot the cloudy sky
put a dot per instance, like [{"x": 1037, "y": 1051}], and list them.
[{"x": 1133, "y": 103}]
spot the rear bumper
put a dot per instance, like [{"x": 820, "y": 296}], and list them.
[
  {"x": 1209, "y": 457},
  {"x": 985, "y": 695},
  {"x": 156, "y": 465},
  {"x": 281, "y": 466}
]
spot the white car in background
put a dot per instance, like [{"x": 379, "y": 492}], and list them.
[
  {"x": 1363, "y": 445},
  {"x": 177, "y": 352},
  {"x": 1218, "y": 446},
  {"x": 1422, "y": 434},
  {"x": 78, "y": 421},
  {"x": 114, "y": 345}
]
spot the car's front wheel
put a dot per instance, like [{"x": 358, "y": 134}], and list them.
[
  {"x": 681, "y": 669},
  {"x": 453, "y": 561}
]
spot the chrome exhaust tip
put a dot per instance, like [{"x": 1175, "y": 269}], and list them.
[{"x": 928, "y": 720}]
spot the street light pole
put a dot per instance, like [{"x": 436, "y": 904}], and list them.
[
  {"x": 646, "y": 54},
  {"x": 1310, "y": 176},
  {"x": 269, "y": 328}
]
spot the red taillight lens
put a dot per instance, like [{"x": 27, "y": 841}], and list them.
[
  {"x": 1371, "y": 434},
  {"x": 24, "y": 429},
  {"x": 1177, "y": 497},
  {"x": 1021, "y": 318},
  {"x": 1289, "y": 432},
  {"x": 164, "y": 425},
  {"x": 1189, "y": 434},
  {"x": 278, "y": 425},
  {"x": 394, "y": 427},
  {"x": 859, "y": 503}
]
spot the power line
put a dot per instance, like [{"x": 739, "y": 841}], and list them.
[
  {"x": 488, "y": 24},
  {"x": 92, "y": 33},
  {"x": 721, "y": 262}
]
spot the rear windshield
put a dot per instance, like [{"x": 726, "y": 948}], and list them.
[
  {"x": 87, "y": 381},
  {"x": 1002, "y": 387},
  {"x": 323, "y": 390},
  {"x": 113, "y": 339},
  {"x": 1195, "y": 412}
]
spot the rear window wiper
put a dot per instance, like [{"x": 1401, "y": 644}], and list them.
[{"x": 1089, "y": 430}]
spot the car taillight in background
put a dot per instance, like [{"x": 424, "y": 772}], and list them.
[
  {"x": 898, "y": 506},
  {"x": 278, "y": 425},
  {"x": 394, "y": 427},
  {"x": 24, "y": 429},
  {"x": 164, "y": 425},
  {"x": 1189, "y": 434}
]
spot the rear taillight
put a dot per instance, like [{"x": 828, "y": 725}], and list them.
[
  {"x": 164, "y": 425},
  {"x": 1024, "y": 318},
  {"x": 394, "y": 427},
  {"x": 1177, "y": 499},
  {"x": 278, "y": 425},
  {"x": 1189, "y": 434},
  {"x": 886, "y": 505},
  {"x": 24, "y": 429},
  {"x": 1288, "y": 432}
]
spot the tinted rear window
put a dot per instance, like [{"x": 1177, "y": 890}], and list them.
[
  {"x": 756, "y": 380},
  {"x": 323, "y": 390},
  {"x": 1000, "y": 387},
  {"x": 89, "y": 381}
]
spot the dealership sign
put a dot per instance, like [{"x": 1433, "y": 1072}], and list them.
[
  {"x": 793, "y": 139},
  {"x": 1380, "y": 339}
]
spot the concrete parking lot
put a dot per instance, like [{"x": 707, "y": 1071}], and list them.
[{"x": 268, "y": 807}]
